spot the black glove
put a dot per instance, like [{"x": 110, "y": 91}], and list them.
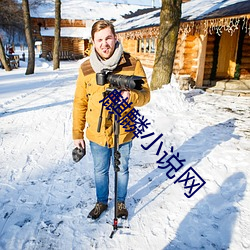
[{"x": 78, "y": 153}]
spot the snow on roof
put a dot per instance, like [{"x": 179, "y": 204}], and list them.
[
  {"x": 145, "y": 20},
  {"x": 85, "y": 10},
  {"x": 198, "y": 9},
  {"x": 192, "y": 10},
  {"x": 80, "y": 32}
]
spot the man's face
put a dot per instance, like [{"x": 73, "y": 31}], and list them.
[{"x": 104, "y": 42}]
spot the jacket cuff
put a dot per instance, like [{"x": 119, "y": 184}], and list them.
[{"x": 77, "y": 135}]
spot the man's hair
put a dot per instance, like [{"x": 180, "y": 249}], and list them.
[{"x": 101, "y": 24}]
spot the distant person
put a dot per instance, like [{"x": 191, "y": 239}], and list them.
[
  {"x": 107, "y": 54},
  {"x": 11, "y": 50}
]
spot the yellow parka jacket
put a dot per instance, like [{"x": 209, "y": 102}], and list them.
[{"x": 87, "y": 106}]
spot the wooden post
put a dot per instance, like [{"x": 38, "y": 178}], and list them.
[
  {"x": 144, "y": 45},
  {"x": 201, "y": 60},
  {"x": 140, "y": 42}
]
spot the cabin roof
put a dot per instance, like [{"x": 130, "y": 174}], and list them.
[
  {"x": 85, "y": 10},
  {"x": 140, "y": 21},
  {"x": 193, "y": 10},
  {"x": 208, "y": 9}
]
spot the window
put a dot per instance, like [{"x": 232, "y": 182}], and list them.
[{"x": 146, "y": 45}]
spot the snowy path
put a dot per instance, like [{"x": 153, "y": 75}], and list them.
[{"x": 45, "y": 197}]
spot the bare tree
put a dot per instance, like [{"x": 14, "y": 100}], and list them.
[
  {"x": 11, "y": 17},
  {"x": 11, "y": 24},
  {"x": 28, "y": 33},
  {"x": 3, "y": 57},
  {"x": 168, "y": 34},
  {"x": 56, "y": 59},
  {"x": 36, "y": 3}
]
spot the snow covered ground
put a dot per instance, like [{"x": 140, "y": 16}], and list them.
[{"x": 45, "y": 197}]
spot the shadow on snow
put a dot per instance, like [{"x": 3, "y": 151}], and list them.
[
  {"x": 23, "y": 110},
  {"x": 192, "y": 151},
  {"x": 209, "y": 225}
]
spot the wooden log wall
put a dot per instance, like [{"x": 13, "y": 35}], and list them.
[
  {"x": 131, "y": 46},
  {"x": 178, "y": 61},
  {"x": 185, "y": 59},
  {"x": 79, "y": 46},
  {"x": 47, "y": 45},
  {"x": 73, "y": 45},
  {"x": 146, "y": 59},
  {"x": 50, "y": 22},
  {"x": 186, "y": 55},
  {"x": 190, "y": 56},
  {"x": 66, "y": 44}
]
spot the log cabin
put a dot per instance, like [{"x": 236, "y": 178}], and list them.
[
  {"x": 77, "y": 19},
  {"x": 74, "y": 37},
  {"x": 213, "y": 41}
]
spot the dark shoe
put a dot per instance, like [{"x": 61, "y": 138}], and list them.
[
  {"x": 122, "y": 211},
  {"x": 97, "y": 210}
]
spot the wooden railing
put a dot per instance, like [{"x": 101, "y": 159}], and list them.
[{"x": 64, "y": 55}]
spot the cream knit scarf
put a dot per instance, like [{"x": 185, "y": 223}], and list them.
[{"x": 98, "y": 64}]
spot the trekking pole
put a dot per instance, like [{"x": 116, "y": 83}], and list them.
[
  {"x": 101, "y": 112},
  {"x": 117, "y": 156}
]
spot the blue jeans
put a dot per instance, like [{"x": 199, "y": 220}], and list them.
[{"x": 102, "y": 157}]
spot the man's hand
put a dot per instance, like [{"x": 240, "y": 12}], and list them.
[
  {"x": 125, "y": 94},
  {"x": 79, "y": 143},
  {"x": 79, "y": 151}
]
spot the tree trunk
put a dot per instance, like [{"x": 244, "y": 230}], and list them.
[
  {"x": 3, "y": 57},
  {"x": 28, "y": 33},
  {"x": 56, "y": 59},
  {"x": 168, "y": 34}
]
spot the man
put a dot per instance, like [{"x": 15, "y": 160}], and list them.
[{"x": 107, "y": 54}]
